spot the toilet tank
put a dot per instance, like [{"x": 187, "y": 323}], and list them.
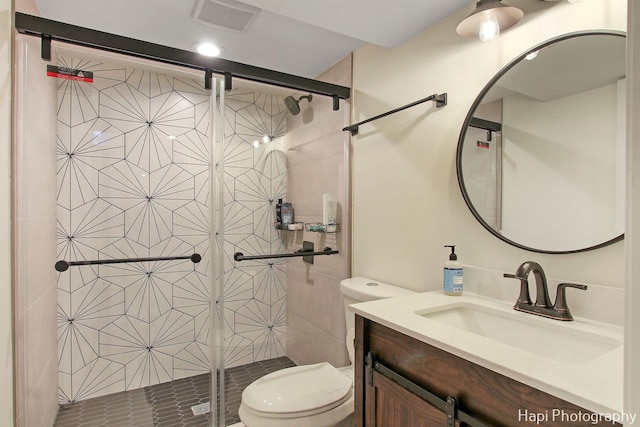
[{"x": 361, "y": 289}]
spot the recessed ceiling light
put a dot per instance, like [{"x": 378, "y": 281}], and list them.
[{"x": 208, "y": 49}]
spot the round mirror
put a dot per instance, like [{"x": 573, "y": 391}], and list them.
[{"x": 541, "y": 155}]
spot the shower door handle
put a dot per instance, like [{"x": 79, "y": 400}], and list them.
[{"x": 64, "y": 265}]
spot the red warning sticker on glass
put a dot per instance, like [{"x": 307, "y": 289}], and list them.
[
  {"x": 69, "y": 73},
  {"x": 482, "y": 144}
]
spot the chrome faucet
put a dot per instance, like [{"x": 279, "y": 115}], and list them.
[{"x": 542, "y": 306}]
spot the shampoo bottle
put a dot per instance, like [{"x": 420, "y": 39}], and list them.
[
  {"x": 287, "y": 215},
  {"x": 452, "y": 274},
  {"x": 279, "y": 214}
]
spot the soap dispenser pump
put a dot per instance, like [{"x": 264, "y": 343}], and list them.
[{"x": 453, "y": 273}]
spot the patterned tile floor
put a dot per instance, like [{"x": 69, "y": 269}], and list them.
[{"x": 166, "y": 405}]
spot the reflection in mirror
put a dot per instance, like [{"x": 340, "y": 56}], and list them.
[{"x": 541, "y": 153}]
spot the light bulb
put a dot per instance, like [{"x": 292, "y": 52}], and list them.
[
  {"x": 208, "y": 49},
  {"x": 489, "y": 28}
]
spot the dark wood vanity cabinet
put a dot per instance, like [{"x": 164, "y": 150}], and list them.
[{"x": 492, "y": 398}]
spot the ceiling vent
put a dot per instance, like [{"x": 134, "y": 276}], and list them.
[{"x": 228, "y": 14}]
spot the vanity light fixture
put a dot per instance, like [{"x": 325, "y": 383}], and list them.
[{"x": 488, "y": 19}]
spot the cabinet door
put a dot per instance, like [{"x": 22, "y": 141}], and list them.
[
  {"x": 485, "y": 395},
  {"x": 388, "y": 404}
]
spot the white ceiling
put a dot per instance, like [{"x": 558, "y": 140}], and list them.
[{"x": 300, "y": 37}]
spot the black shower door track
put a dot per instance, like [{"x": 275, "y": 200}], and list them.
[{"x": 49, "y": 30}]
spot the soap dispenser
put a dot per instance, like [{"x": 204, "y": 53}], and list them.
[{"x": 453, "y": 272}]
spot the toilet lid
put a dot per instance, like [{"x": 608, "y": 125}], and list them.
[{"x": 298, "y": 389}]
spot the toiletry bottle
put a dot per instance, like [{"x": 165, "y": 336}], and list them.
[
  {"x": 279, "y": 214},
  {"x": 452, "y": 274},
  {"x": 287, "y": 215},
  {"x": 328, "y": 216}
]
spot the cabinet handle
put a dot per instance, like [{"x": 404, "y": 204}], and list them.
[{"x": 450, "y": 408}]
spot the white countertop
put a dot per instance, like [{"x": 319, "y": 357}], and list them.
[{"x": 595, "y": 385}]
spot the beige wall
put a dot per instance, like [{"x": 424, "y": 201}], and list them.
[
  {"x": 6, "y": 298},
  {"x": 27, "y": 6},
  {"x": 632, "y": 292},
  {"x": 407, "y": 203},
  {"x": 35, "y": 222},
  {"x": 35, "y": 297},
  {"x": 318, "y": 162}
]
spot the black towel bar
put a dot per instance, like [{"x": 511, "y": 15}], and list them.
[{"x": 64, "y": 265}]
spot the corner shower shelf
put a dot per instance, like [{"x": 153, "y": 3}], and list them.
[
  {"x": 297, "y": 226},
  {"x": 318, "y": 227}
]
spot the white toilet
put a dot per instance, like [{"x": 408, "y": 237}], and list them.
[{"x": 316, "y": 395}]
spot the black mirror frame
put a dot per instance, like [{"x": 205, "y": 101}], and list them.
[{"x": 467, "y": 121}]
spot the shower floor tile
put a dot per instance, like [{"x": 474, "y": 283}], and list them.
[{"x": 167, "y": 404}]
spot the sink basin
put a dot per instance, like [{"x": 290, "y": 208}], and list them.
[{"x": 557, "y": 340}]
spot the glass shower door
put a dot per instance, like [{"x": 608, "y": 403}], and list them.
[{"x": 136, "y": 180}]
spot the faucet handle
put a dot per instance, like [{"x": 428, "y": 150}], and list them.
[
  {"x": 524, "y": 297},
  {"x": 561, "y": 299}
]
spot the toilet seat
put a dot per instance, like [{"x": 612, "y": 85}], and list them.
[{"x": 298, "y": 391}]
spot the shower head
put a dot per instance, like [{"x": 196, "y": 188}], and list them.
[{"x": 293, "y": 105}]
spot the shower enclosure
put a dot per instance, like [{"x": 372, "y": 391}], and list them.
[
  {"x": 157, "y": 181},
  {"x": 134, "y": 181}
]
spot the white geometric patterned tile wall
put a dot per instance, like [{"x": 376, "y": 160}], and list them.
[
  {"x": 133, "y": 180},
  {"x": 255, "y": 178}
]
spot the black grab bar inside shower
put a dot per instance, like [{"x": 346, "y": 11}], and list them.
[
  {"x": 64, "y": 265},
  {"x": 239, "y": 256},
  {"x": 306, "y": 252}
]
